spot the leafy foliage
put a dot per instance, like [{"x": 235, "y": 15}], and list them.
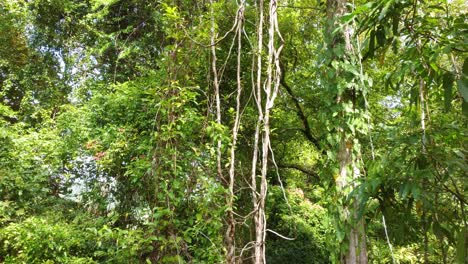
[{"x": 108, "y": 131}]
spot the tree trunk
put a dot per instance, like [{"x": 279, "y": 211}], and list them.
[
  {"x": 256, "y": 197},
  {"x": 270, "y": 91},
  {"x": 349, "y": 168}
]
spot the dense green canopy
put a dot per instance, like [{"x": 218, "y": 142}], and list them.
[{"x": 189, "y": 131}]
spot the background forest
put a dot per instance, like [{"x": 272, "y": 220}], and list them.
[{"x": 217, "y": 131}]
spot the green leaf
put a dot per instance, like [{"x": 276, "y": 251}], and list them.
[
  {"x": 384, "y": 11},
  {"x": 463, "y": 88},
  {"x": 448, "y": 84},
  {"x": 461, "y": 246},
  {"x": 415, "y": 191},
  {"x": 340, "y": 234},
  {"x": 404, "y": 190},
  {"x": 372, "y": 43},
  {"x": 463, "y": 81},
  {"x": 346, "y": 18},
  {"x": 465, "y": 108},
  {"x": 439, "y": 7}
]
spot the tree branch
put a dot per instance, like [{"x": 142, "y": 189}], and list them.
[
  {"x": 300, "y": 168},
  {"x": 300, "y": 113}
]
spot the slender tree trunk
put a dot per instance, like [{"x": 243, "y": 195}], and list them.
[
  {"x": 230, "y": 233},
  {"x": 258, "y": 99},
  {"x": 270, "y": 88},
  {"x": 349, "y": 167},
  {"x": 216, "y": 87}
]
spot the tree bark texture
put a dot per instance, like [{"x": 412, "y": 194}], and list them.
[{"x": 349, "y": 168}]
